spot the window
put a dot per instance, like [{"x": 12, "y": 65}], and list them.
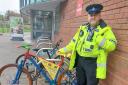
[
  {"x": 28, "y": 1},
  {"x": 32, "y": 1},
  {"x": 38, "y": 0},
  {"x": 42, "y": 22},
  {"x": 57, "y": 19},
  {"x": 21, "y": 3},
  {"x": 25, "y": 2}
]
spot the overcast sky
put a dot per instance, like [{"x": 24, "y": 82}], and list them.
[{"x": 9, "y": 5}]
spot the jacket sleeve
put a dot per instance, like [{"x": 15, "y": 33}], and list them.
[
  {"x": 69, "y": 47},
  {"x": 107, "y": 41}
]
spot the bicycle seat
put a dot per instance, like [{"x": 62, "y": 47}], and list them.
[
  {"x": 45, "y": 50},
  {"x": 35, "y": 49}
]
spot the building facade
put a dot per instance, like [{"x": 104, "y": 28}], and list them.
[
  {"x": 45, "y": 16},
  {"x": 115, "y": 13}
]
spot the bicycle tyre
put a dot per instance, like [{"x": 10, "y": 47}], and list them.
[
  {"x": 12, "y": 66},
  {"x": 17, "y": 59}
]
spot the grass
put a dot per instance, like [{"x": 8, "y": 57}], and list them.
[
  {"x": 7, "y": 30},
  {"x": 27, "y": 30},
  {"x": 4, "y": 30}
]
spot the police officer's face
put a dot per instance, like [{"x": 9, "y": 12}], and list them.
[{"x": 94, "y": 19}]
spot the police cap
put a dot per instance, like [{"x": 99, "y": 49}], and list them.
[{"x": 94, "y": 8}]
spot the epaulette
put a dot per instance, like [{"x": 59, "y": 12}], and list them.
[
  {"x": 86, "y": 24},
  {"x": 102, "y": 24}
]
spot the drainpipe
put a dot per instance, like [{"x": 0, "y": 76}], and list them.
[
  {"x": 53, "y": 26},
  {"x": 31, "y": 26}
]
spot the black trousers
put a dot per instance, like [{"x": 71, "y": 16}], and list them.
[{"x": 86, "y": 71}]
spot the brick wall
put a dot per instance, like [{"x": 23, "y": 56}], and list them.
[{"x": 115, "y": 13}]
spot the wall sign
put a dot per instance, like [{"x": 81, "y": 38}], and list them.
[{"x": 79, "y": 7}]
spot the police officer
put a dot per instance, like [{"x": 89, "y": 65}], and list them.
[{"x": 90, "y": 47}]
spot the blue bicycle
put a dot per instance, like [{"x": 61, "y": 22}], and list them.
[{"x": 46, "y": 53}]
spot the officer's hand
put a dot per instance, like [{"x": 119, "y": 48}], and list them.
[
  {"x": 68, "y": 55},
  {"x": 60, "y": 53},
  {"x": 57, "y": 52}
]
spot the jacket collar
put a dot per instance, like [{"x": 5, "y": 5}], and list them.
[{"x": 102, "y": 24}]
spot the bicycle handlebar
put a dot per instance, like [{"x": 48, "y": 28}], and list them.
[
  {"x": 26, "y": 46},
  {"x": 58, "y": 43}
]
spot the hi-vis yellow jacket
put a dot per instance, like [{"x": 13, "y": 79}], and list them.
[{"x": 102, "y": 42}]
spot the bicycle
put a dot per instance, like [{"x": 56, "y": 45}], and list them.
[
  {"x": 30, "y": 67},
  {"x": 40, "y": 52},
  {"x": 50, "y": 71}
]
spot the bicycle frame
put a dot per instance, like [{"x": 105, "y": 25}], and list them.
[{"x": 30, "y": 56}]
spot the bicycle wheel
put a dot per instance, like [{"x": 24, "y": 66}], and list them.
[
  {"x": 8, "y": 73},
  {"x": 67, "y": 78}
]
